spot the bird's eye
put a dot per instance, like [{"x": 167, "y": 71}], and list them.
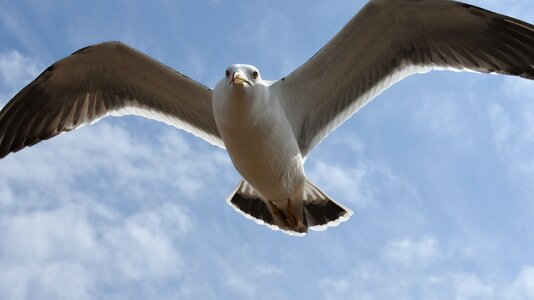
[
  {"x": 227, "y": 73},
  {"x": 255, "y": 74}
]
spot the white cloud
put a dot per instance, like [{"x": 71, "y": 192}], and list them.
[
  {"x": 512, "y": 128},
  {"x": 240, "y": 285},
  {"x": 47, "y": 235},
  {"x": 361, "y": 182},
  {"x": 469, "y": 286},
  {"x": 134, "y": 164},
  {"x": 268, "y": 270},
  {"x": 352, "y": 183},
  {"x": 501, "y": 125},
  {"x": 523, "y": 286},
  {"x": 15, "y": 71},
  {"x": 142, "y": 249},
  {"x": 70, "y": 251},
  {"x": 381, "y": 281},
  {"x": 334, "y": 287},
  {"x": 440, "y": 116},
  {"x": 6, "y": 196},
  {"x": 100, "y": 205},
  {"x": 412, "y": 252},
  {"x": 44, "y": 253}
]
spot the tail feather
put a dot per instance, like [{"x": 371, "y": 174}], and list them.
[
  {"x": 323, "y": 215},
  {"x": 250, "y": 205},
  {"x": 320, "y": 210},
  {"x": 315, "y": 210}
]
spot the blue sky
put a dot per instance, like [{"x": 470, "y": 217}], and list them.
[{"x": 439, "y": 171}]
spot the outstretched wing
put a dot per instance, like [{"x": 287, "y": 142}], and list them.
[
  {"x": 389, "y": 40},
  {"x": 105, "y": 79}
]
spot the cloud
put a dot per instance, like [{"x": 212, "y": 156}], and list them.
[
  {"x": 74, "y": 250},
  {"x": 469, "y": 286},
  {"x": 241, "y": 285},
  {"x": 439, "y": 115},
  {"x": 335, "y": 287},
  {"x": 352, "y": 183},
  {"x": 380, "y": 281},
  {"x": 523, "y": 286},
  {"x": 409, "y": 252},
  {"x": 100, "y": 205},
  {"x": 15, "y": 71},
  {"x": 6, "y": 196},
  {"x": 142, "y": 247},
  {"x": 268, "y": 270},
  {"x": 137, "y": 165},
  {"x": 362, "y": 181},
  {"x": 512, "y": 130}
]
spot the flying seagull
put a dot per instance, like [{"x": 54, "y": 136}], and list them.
[{"x": 269, "y": 127}]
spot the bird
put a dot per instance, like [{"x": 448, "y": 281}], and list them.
[{"x": 269, "y": 127}]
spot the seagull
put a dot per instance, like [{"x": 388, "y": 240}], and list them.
[{"x": 268, "y": 127}]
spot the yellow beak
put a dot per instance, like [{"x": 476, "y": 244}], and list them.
[{"x": 238, "y": 79}]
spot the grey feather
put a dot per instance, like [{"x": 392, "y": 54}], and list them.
[
  {"x": 389, "y": 40},
  {"x": 105, "y": 79}
]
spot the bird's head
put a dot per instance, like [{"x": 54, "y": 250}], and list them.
[
  {"x": 242, "y": 76},
  {"x": 240, "y": 91}
]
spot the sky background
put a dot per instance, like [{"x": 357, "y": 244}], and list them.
[{"x": 439, "y": 171}]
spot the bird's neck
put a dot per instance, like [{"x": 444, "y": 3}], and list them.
[{"x": 239, "y": 108}]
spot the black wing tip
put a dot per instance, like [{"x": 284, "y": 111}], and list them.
[
  {"x": 486, "y": 13},
  {"x": 7, "y": 149},
  {"x": 470, "y": 6}
]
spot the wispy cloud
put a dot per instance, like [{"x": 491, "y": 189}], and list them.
[
  {"x": 16, "y": 70},
  {"x": 360, "y": 182},
  {"x": 240, "y": 285},
  {"x": 131, "y": 233},
  {"x": 440, "y": 114},
  {"x": 409, "y": 252},
  {"x": 74, "y": 250},
  {"x": 512, "y": 128},
  {"x": 523, "y": 286}
]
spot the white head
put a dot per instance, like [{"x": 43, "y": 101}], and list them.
[
  {"x": 240, "y": 92},
  {"x": 241, "y": 82},
  {"x": 242, "y": 76}
]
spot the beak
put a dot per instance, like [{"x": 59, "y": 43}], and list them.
[{"x": 238, "y": 79}]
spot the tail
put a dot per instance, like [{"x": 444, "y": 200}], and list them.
[
  {"x": 320, "y": 211},
  {"x": 294, "y": 216}
]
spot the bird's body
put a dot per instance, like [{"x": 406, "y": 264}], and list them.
[
  {"x": 259, "y": 139},
  {"x": 270, "y": 127},
  {"x": 260, "y": 142}
]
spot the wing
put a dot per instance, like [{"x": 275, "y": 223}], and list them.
[
  {"x": 389, "y": 40},
  {"x": 105, "y": 79}
]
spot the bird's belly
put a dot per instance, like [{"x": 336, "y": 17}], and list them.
[{"x": 268, "y": 157}]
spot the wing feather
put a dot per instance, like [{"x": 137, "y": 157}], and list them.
[
  {"x": 389, "y": 40},
  {"x": 100, "y": 80}
]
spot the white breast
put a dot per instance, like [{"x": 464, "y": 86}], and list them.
[{"x": 259, "y": 139}]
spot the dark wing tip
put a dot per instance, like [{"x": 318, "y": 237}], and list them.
[
  {"x": 87, "y": 49},
  {"x": 4, "y": 153},
  {"x": 503, "y": 45}
]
